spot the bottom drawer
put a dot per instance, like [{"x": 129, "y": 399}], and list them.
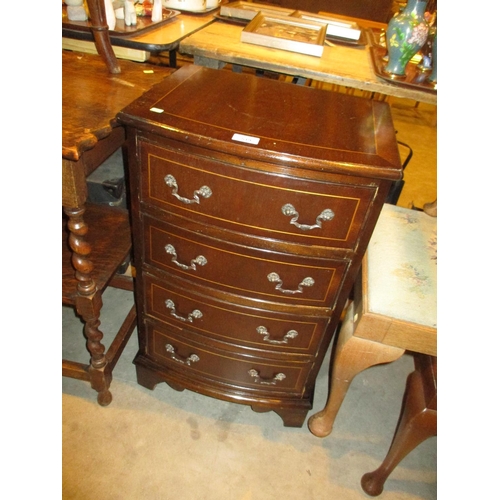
[{"x": 196, "y": 360}]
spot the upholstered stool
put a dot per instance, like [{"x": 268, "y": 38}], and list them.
[{"x": 394, "y": 307}]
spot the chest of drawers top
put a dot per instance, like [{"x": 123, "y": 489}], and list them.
[{"x": 263, "y": 119}]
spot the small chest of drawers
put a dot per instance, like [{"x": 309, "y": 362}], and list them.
[{"x": 252, "y": 205}]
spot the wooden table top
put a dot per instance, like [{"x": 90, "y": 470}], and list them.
[
  {"x": 163, "y": 38},
  {"x": 92, "y": 97},
  {"x": 340, "y": 64}
]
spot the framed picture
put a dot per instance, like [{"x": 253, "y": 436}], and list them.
[
  {"x": 335, "y": 27},
  {"x": 287, "y": 33},
  {"x": 247, "y": 11}
]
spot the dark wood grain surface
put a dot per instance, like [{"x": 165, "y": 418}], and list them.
[
  {"x": 110, "y": 240},
  {"x": 91, "y": 97},
  {"x": 321, "y": 129},
  {"x": 231, "y": 239}
]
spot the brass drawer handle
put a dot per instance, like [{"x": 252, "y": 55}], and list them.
[
  {"x": 259, "y": 380},
  {"x": 200, "y": 260},
  {"x": 291, "y": 334},
  {"x": 275, "y": 278},
  {"x": 193, "y": 358},
  {"x": 189, "y": 319},
  {"x": 289, "y": 211},
  {"x": 204, "y": 191}
]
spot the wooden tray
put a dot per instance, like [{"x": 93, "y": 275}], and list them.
[
  {"x": 144, "y": 23},
  {"x": 376, "y": 37},
  {"x": 414, "y": 76}
]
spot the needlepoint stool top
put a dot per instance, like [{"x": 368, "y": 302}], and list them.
[{"x": 401, "y": 264}]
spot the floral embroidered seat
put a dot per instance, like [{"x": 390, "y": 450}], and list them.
[
  {"x": 399, "y": 280},
  {"x": 394, "y": 310}
]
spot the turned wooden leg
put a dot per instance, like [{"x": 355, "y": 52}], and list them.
[
  {"x": 102, "y": 41},
  {"x": 417, "y": 423},
  {"x": 88, "y": 303},
  {"x": 89, "y": 309},
  {"x": 351, "y": 356}
]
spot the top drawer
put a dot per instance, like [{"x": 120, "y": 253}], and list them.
[{"x": 280, "y": 207}]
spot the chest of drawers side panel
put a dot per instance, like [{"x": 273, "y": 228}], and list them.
[{"x": 134, "y": 176}]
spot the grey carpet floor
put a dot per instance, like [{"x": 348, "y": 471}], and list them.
[{"x": 165, "y": 444}]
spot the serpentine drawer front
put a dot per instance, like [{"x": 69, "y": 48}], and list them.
[
  {"x": 252, "y": 272},
  {"x": 219, "y": 320},
  {"x": 236, "y": 371},
  {"x": 252, "y": 204},
  {"x": 311, "y": 213}
]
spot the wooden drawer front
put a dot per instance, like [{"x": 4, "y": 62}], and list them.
[
  {"x": 228, "y": 323},
  {"x": 200, "y": 361},
  {"x": 240, "y": 270},
  {"x": 253, "y": 202}
]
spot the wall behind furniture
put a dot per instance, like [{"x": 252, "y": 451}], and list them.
[{"x": 375, "y": 10}]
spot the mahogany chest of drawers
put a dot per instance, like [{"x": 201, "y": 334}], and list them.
[{"x": 252, "y": 205}]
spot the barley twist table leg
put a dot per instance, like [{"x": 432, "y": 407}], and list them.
[{"x": 88, "y": 303}]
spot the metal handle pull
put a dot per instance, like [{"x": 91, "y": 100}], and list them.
[
  {"x": 200, "y": 260},
  {"x": 189, "y": 319},
  {"x": 291, "y": 334},
  {"x": 204, "y": 191},
  {"x": 193, "y": 358},
  {"x": 275, "y": 278},
  {"x": 289, "y": 211},
  {"x": 259, "y": 380}
]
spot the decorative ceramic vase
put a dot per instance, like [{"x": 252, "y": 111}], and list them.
[{"x": 406, "y": 35}]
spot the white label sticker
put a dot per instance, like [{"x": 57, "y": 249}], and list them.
[
  {"x": 156, "y": 110},
  {"x": 246, "y": 138}
]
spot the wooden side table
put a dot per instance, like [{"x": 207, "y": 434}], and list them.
[
  {"x": 164, "y": 38},
  {"x": 219, "y": 43},
  {"x": 96, "y": 238}
]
